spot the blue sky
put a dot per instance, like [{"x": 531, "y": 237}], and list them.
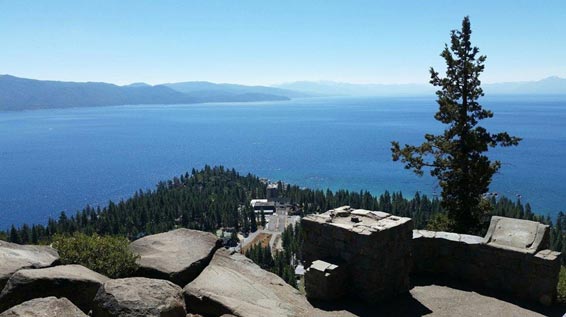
[{"x": 267, "y": 42}]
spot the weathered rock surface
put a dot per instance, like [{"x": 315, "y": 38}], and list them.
[
  {"x": 441, "y": 301},
  {"x": 233, "y": 284},
  {"x": 14, "y": 257},
  {"x": 75, "y": 282},
  {"x": 198, "y": 315},
  {"x": 518, "y": 235},
  {"x": 139, "y": 297},
  {"x": 447, "y": 301},
  {"x": 45, "y": 307},
  {"x": 178, "y": 255}
]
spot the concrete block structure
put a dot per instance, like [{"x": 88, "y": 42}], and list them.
[
  {"x": 325, "y": 281},
  {"x": 372, "y": 250},
  {"x": 513, "y": 257}
]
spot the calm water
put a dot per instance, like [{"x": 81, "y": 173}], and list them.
[{"x": 53, "y": 160}]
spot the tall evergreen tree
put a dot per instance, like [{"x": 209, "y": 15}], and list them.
[
  {"x": 262, "y": 218},
  {"x": 457, "y": 157},
  {"x": 253, "y": 220},
  {"x": 14, "y": 235}
]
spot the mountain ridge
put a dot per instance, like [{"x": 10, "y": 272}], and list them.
[
  {"x": 198, "y": 86},
  {"x": 549, "y": 85},
  {"x": 27, "y": 94}
]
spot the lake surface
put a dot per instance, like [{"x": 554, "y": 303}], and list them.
[{"x": 63, "y": 159}]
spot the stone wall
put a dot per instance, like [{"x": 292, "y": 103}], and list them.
[
  {"x": 326, "y": 281},
  {"x": 479, "y": 263},
  {"x": 368, "y": 255},
  {"x": 372, "y": 248}
]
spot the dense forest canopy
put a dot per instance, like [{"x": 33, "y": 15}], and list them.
[{"x": 216, "y": 197}]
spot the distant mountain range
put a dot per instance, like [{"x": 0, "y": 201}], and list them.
[
  {"x": 548, "y": 86},
  {"x": 21, "y": 93},
  {"x": 205, "y": 88}
]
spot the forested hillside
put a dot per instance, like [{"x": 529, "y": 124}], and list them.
[{"x": 216, "y": 197}]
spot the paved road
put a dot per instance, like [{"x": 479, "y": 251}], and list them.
[{"x": 276, "y": 224}]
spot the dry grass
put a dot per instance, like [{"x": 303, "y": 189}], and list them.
[{"x": 261, "y": 238}]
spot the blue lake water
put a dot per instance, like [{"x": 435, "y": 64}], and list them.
[{"x": 63, "y": 159}]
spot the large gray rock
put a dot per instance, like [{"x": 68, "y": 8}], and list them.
[
  {"x": 233, "y": 284},
  {"x": 519, "y": 235},
  {"x": 45, "y": 307},
  {"x": 14, "y": 257},
  {"x": 139, "y": 297},
  {"x": 75, "y": 282},
  {"x": 178, "y": 255}
]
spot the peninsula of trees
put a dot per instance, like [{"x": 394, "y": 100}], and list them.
[{"x": 216, "y": 197}]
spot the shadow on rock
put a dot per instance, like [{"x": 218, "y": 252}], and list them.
[
  {"x": 403, "y": 305},
  {"x": 428, "y": 280}
]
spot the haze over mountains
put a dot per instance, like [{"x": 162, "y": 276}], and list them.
[
  {"x": 208, "y": 88},
  {"x": 21, "y": 93},
  {"x": 548, "y": 86}
]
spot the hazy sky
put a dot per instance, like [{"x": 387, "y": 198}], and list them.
[{"x": 269, "y": 41}]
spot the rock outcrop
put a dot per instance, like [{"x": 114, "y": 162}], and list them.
[
  {"x": 139, "y": 297},
  {"x": 178, "y": 255},
  {"x": 233, "y": 284},
  {"x": 354, "y": 256},
  {"x": 75, "y": 282},
  {"x": 45, "y": 307},
  {"x": 14, "y": 257}
]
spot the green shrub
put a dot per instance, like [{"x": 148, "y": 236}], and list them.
[
  {"x": 562, "y": 285},
  {"x": 106, "y": 255},
  {"x": 440, "y": 222}
]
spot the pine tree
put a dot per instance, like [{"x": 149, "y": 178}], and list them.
[
  {"x": 267, "y": 258},
  {"x": 456, "y": 157},
  {"x": 34, "y": 235},
  {"x": 25, "y": 234},
  {"x": 14, "y": 235},
  {"x": 260, "y": 255},
  {"x": 262, "y": 218},
  {"x": 253, "y": 220}
]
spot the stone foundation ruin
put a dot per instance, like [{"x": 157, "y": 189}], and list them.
[
  {"x": 369, "y": 255},
  {"x": 358, "y": 253},
  {"x": 513, "y": 257}
]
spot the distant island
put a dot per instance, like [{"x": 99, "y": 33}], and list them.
[{"x": 22, "y": 94}]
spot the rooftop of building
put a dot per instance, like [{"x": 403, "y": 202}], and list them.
[
  {"x": 253, "y": 201},
  {"x": 267, "y": 204}
]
